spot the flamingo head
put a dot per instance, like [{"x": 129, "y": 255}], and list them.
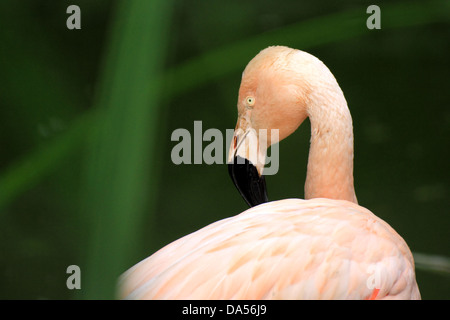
[{"x": 273, "y": 101}]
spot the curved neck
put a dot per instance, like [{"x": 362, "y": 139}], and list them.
[{"x": 330, "y": 162}]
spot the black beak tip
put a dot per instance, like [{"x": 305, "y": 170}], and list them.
[{"x": 247, "y": 180}]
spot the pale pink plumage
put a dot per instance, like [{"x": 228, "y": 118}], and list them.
[{"x": 288, "y": 249}]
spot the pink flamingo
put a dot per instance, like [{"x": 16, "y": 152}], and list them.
[{"x": 325, "y": 247}]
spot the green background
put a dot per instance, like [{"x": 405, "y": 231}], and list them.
[{"x": 86, "y": 118}]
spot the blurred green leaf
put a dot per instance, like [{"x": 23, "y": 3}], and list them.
[
  {"x": 303, "y": 35},
  {"x": 433, "y": 263},
  {"x": 120, "y": 159},
  {"x": 28, "y": 171}
]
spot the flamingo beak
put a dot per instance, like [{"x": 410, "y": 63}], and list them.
[{"x": 245, "y": 165}]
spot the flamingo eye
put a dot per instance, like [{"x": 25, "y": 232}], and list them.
[{"x": 250, "y": 101}]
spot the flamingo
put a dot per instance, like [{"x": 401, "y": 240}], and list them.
[{"x": 323, "y": 247}]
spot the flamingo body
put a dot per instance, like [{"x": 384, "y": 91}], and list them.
[
  {"x": 324, "y": 247},
  {"x": 287, "y": 249}
]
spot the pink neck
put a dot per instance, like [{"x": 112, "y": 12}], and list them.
[{"x": 330, "y": 163}]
